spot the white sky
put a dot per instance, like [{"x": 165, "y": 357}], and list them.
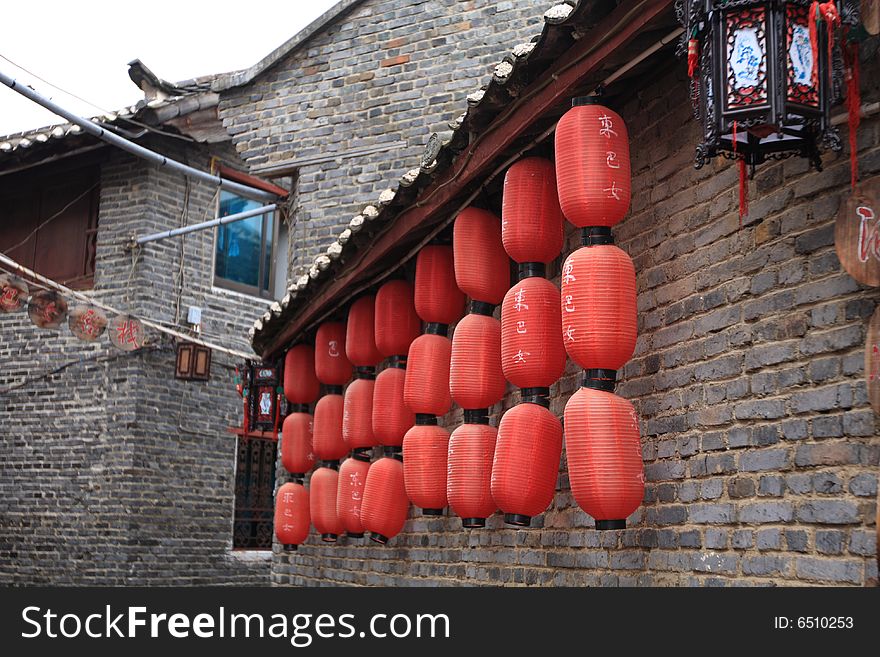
[{"x": 84, "y": 47}]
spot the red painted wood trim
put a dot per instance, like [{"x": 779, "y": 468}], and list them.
[
  {"x": 239, "y": 431},
  {"x": 253, "y": 181},
  {"x": 577, "y": 62}
]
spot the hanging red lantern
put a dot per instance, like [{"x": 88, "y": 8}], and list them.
[
  {"x": 360, "y": 333},
  {"x": 475, "y": 376},
  {"x": 385, "y": 506},
  {"x": 592, "y": 164},
  {"x": 350, "y": 494},
  {"x": 328, "y": 443},
  {"x": 532, "y": 354},
  {"x": 425, "y": 449},
  {"x": 301, "y": 386},
  {"x": 426, "y": 389},
  {"x": 482, "y": 268},
  {"x": 391, "y": 416},
  {"x": 437, "y": 298},
  {"x": 604, "y": 455},
  {"x": 599, "y": 306},
  {"x": 469, "y": 472},
  {"x": 292, "y": 515},
  {"x": 357, "y": 418},
  {"x": 397, "y": 323},
  {"x": 322, "y": 496},
  {"x": 526, "y": 462},
  {"x": 532, "y": 226},
  {"x": 331, "y": 364},
  {"x": 297, "y": 456}
]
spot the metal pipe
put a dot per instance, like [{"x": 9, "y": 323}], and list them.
[
  {"x": 228, "y": 219},
  {"x": 120, "y": 142}
]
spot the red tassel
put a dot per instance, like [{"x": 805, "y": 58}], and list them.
[
  {"x": 693, "y": 56},
  {"x": 853, "y": 106},
  {"x": 743, "y": 193},
  {"x": 245, "y": 421},
  {"x": 827, "y": 12}
]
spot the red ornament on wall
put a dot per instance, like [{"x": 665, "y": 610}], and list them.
[
  {"x": 482, "y": 268},
  {"x": 327, "y": 441},
  {"x": 322, "y": 497},
  {"x": 526, "y": 462},
  {"x": 350, "y": 494},
  {"x": 331, "y": 364},
  {"x": 301, "y": 385},
  {"x": 604, "y": 456},
  {"x": 391, "y": 416},
  {"x": 397, "y": 323},
  {"x": 532, "y": 226},
  {"x": 437, "y": 298},
  {"x": 475, "y": 376},
  {"x": 357, "y": 418},
  {"x": 292, "y": 515},
  {"x": 425, "y": 449},
  {"x": 385, "y": 506},
  {"x": 297, "y": 455},
  {"x": 468, "y": 483},
  {"x": 426, "y": 389},
  {"x": 360, "y": 333},
  {"x": 532, "y": 354},
  {"x": 592, "y": 165}
]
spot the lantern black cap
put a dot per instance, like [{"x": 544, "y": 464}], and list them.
[
  {"x": 393, "y": 452},
  {"x": 397, "y": 361},
  {"x": 333, "y": 465},
  {"x": 297, "y": 478},
  {"x": 328, "y": 538},
  {"x": 531, "y": 269},
  {"x": 361, "y": 453},
  {"x": 423, "y": 419},
  {"x": 476, "y": 416},
  {"x": 482, "y": 308},
  {"x": 289, "y": 547},
  {"x": 298, "y": 408},
  {"x": 517, "y": 519},
  {"x": 473, "y": 523},
  {"x": 379, "y": 538},
  {"x": 432, "y": 512},
  {"x": 333, "y": 390},
  {"x": 354, "y": 534},
  {"x": 585, "y": 100},
  {"x": 366, "y": 372},
  {"x": 610, "y": 524},
  {"x": 596, "y": 235},
  {"x": 436, "y": 328}
]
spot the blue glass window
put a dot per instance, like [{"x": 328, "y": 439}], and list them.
[{"x": 244, "y": 249}]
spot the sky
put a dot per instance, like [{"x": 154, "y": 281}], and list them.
[{"x": 84, "y": 48}]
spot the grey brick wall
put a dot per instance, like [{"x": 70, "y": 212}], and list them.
[{"x": 114, "y": 472}]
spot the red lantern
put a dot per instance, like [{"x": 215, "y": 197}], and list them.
[
  {"x": 438, "y": 300},
  {"x": 426, "y": 390},
  {"x": 604, "y": 456},
  {"x": 599, "y": 307},
  {"x": 357, "y": 418},
  {"x": 331, "y": 365},
  {"x": 391, "y": 416},
  {"x": 385, "y": 506},
  {"x": 424, "y": 467},
  {"x": 350, "y": 494},
  {"x": 468, "y": 484},
  {"x": 297, "y": 456},
  {"x": 301, "y": 386},
  {"x": 482, "y": 268},
  {"x": 532, "y": 224},
  {"x": 532, "y": 354},
  {"x": 526, "y": 463},
  {"x": 475, "y": 376},
  {"x": 360, "y": 334},
  {"x": 327, "y": 441},
  {"x": 397, "y": 323},
  {"x": 292, "y": 515},
  {"x": 592, "y": 165},
  {"x": 324, "y": 485}
]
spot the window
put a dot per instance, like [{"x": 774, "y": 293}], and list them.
[{"x": 245, "y": 250}]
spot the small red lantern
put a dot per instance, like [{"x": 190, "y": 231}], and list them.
[
  {"x": 391, "y": 416},
  {"x": 437, "y": 299},
  {"x": 532, "y": 226},
  {"x": 482, "y": 268},
  {"x": 526, "y": 463},
  {"x": 426, "y": 390},
  {"x": 350, "y": 494},
  {"x": 425, "y": 449},
  {"x": 475, "y": 376},
  {"x": 599, "y": 304},
  {"x": 397, "y": 323},
  {"x": 331, "y": 364},
  {"x": 327, "y": 441},
  {"x": 324, "y": 486},
  {"x": 468, "y": 484},
  {"x": 297, "y": 456},
  {"x": 532, "y": 354},
  {"x": 604, "y": 455},
  {"x": 357, "y": 418},
  {"x": 292, "y": 515},
  {"x": 385, "y": 506},
  {"x": 360, "y": 333},
  {"x": 301, "y": 386},
  {"x": 592, "y": 164}
]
